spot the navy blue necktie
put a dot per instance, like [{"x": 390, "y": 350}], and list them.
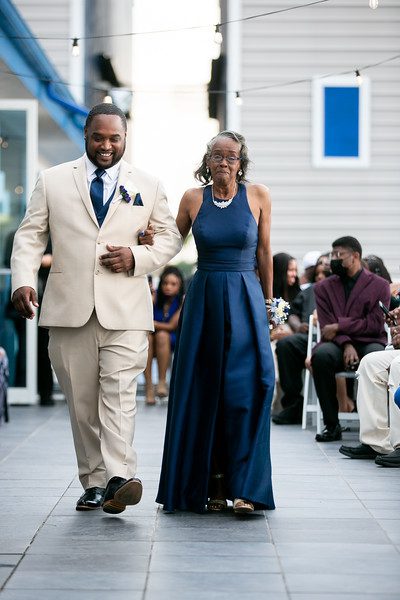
[{"x": 97, "y": 189}]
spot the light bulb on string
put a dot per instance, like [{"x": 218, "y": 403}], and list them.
[
  {"x": 218, "y": 35},
  {"x": 107, "y": 99},
  {"x": 75, "y": 47},
  {"x": 359, "y": 78},
  {"x": 238, "y": 99},
  {"x": 373, "y": 4}
]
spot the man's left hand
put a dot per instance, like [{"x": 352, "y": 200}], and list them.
[
  {"x": 329, "y": 331},
  {"x": 118, "y": 259}
]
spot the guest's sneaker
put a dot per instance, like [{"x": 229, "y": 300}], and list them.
[
  {"x": 120, "y": 493},
  {"x": 330, "y": 435},
  {"x": 389, "y": 460},
  {"x": 362, "y": 451},
  {"x": 91, "y": 499}
]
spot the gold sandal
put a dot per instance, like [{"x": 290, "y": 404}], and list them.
[{"x": 242, "y": 507}]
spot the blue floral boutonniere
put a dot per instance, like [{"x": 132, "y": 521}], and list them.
[{"x": 124, "y": 195}]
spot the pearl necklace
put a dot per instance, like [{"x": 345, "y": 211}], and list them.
[{"x": 222, "y": 203}]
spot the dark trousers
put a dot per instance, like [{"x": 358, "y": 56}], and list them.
[
  {"x": 44, "y": 371},
  {"x": 326, "y": 361},
  {"x": 291, "y": 353}
]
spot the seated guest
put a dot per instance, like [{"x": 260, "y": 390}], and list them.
[
  {"x": 309, "y": 261},
  {"x": 167, "y": 308},
  {"x": 291, "y": 351},
  {"x": 285, "y": 285},
  {"x": 376, "y": 265},
  {"x": 379, "y": 420},
  {"x": 352, "y": 325}
]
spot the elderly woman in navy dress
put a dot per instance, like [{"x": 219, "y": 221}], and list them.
[{"x": 218, "y": 427}]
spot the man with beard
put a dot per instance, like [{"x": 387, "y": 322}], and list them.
[
  {"x": 97, "y": 302},
  {"x": 352, "y": 325}
]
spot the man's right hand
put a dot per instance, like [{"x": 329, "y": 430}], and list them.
[
  {"x": 23, "y": 299},
  {"x": 350, "y": 355}
]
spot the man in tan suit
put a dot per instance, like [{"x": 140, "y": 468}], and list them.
[{"x": 97, "y": 303}]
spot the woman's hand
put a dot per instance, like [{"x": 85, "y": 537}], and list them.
[
  {"x": 146, "y": 237},
  {"x": 279, "y": 332}
]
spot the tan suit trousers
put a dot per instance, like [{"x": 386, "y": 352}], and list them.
[
  {"x": 97, "y": 370},
  {"x": 379, "y": 377}
]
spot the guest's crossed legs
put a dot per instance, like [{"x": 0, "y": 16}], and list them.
[
  {"x": 379, "y": 377},
  {"x": 291, "y": 353},
  {"x": 326, "y": 362}
]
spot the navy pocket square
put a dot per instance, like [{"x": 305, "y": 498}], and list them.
[{"x": 138, "y": 200}]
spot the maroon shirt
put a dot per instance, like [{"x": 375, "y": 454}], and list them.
[{"x": 359, "y": 317}]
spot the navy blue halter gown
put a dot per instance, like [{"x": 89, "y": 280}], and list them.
[{"x": 223, "y": 374}]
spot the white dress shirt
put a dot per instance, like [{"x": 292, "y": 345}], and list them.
[{"x": 110, "y": 178}]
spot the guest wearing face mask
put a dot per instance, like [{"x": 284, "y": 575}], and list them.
[{"x": 352, "y": 325}]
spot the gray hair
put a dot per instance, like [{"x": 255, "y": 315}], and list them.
[{"x": 203, "y": 173}]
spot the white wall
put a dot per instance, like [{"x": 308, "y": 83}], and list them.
[
  {"x": 311, "y": 207},
  {"x": 170, "y": 73}
]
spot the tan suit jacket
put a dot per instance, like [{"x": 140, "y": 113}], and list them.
[{"x": 61, "y": 206}]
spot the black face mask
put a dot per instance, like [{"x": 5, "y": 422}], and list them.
[{"x": 338, "y": 268}]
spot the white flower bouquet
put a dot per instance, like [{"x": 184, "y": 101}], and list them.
[{"x": 278, "y": 311}]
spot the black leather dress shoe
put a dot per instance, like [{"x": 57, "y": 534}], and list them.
[
  {"x": 287, "y": 416},
  {"x": 120, "y": 493},
  {"x": 389, "y": 460},
  {"x": 330, "y": 435},
  {"x": 362, "y": 451},
  {"x": 91, "y": 499}
]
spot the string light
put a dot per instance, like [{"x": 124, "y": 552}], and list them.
[
  {"x": 75, "y": 47},
  {"x": 218, "y": 35},
  {"x": 246, "y": 90},
  {"x": 107, "y": 99},
  {"x": 373, "y": 4},
  {"x": 359, "y": 78},
  {"x": 150, "y": 32},
  {"x": 238, "y": 99}
]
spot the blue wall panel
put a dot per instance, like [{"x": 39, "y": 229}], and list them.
[{"x": 341, "y": 121}]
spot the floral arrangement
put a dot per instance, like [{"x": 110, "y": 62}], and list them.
[
  {"x": 279, "y": 311},
  {"x": 124, "y": 193}
]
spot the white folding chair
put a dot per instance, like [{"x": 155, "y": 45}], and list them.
[
  {"x": 310, "y": 402},
  {"x": 348, "y": 416}
]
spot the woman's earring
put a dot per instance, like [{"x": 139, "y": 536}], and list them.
[{"x": 240, "y": 172}]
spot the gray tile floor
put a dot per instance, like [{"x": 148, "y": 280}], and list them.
[{"x": 334, "y": 535}]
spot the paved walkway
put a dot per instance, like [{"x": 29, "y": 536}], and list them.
[{"x": 335, "y": 533}]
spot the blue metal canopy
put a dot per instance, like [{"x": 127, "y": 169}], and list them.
[{"x": 27, "y": 60}]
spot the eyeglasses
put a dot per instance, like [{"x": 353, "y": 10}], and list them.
[
  {"x": 218, "y": 158},
  {"x": 338, "y": 254}
]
